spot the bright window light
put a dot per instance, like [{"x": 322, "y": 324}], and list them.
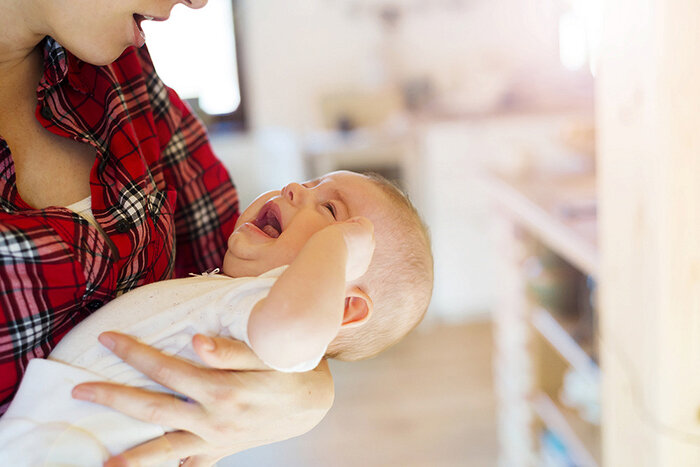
[
  {"x": 580, "y": 34},
  {"x": 195, "y": 54},
  {"x": 592, "y": 13},
  {"x": 573, "y": 50}
]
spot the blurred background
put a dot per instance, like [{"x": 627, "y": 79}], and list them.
[{"x": 483, "y": 112}]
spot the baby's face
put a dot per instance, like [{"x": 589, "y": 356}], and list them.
[{"x": 275, "y": 227}]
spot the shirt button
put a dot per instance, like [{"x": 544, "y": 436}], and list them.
[
  {"x": 94, "y": 305},
  {"x": 123, "y": 226},
  {"x": 46, "y": 112}
]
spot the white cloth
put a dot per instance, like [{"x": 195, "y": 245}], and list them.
[
  {"x": 84, "y": 209},
  {"x": 44, "y": 425}
]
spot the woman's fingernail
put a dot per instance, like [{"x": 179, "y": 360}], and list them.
[
  {"x": 83, "y": 393},
  {"x": 107, "y": 341},
  {"x": 207, "y": 343}
]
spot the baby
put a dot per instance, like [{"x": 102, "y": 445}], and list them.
[{"x": 337, "y": 267}]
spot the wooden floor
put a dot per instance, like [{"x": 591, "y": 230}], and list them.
[{"x": 427, "y": 402}]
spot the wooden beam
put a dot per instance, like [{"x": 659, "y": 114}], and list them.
[{"x": 648, "y": 115}]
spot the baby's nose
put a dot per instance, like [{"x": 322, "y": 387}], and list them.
[{"x": 293, "y": 193}]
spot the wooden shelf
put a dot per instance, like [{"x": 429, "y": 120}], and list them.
[
  {"x": 558, "y": 210},
  {"x": 581, "y": 438},
  {"x": 559, "y": 338}
]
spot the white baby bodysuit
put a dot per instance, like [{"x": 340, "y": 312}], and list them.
[{"x": 44, "y": 425}]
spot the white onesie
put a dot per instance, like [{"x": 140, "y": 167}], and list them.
[{"x": 44, "y": 425}]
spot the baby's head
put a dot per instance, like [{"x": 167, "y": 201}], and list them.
[{"x": 398, "y": 282}]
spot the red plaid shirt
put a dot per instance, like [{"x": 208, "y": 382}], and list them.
[{"x": 166, "y": 204}]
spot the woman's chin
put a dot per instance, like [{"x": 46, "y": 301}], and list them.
[{"x": 99, "y": 55}]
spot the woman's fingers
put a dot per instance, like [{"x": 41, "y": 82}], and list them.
[
  {"x": 240, "y": 410},
  {"x": 154, "y": 407},
  {"x": 172, "y": 445},
  {"x": 171, "y": 372},
  {"x": 240, "y": 403},
  {"x": 226, "y": 354}
]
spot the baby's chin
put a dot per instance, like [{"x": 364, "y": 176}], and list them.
[
  {"x": 237, "y": 267},
  {"x": 230, "y": 266}
]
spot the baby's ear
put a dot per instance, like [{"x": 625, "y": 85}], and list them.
[{"x": 358, "y": 308}]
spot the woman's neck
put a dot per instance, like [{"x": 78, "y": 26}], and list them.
[
  {"x": 20, "y": 32},
  {"x": 21, "y": 61}
]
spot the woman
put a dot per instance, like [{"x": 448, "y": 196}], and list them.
[{"x": 107, "y": 182}]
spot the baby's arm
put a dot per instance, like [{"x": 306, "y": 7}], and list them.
[{"x": 304, "y": 310}]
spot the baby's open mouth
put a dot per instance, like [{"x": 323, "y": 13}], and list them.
[{"x": 268, "y": 221}]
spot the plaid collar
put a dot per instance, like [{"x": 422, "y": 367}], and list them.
[{"x": 59, "y": 64}]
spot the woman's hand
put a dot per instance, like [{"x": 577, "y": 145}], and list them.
[{"x": 236, "y": 404}]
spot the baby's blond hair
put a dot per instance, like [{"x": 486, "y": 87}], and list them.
[{"x": 399, "y": 279}]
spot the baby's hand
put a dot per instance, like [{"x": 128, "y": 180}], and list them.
[{"x": 358, "y": 233}]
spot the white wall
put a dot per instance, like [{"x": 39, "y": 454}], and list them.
[
  {"x": 294, "y": 51},
  {"x": 259, "y": 161},
  {"x": 472, "y": 51}
]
